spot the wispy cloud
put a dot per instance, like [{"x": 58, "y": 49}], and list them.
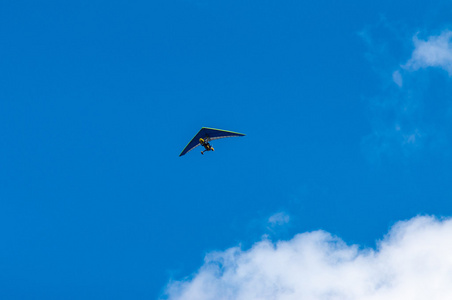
[
  {"x": 414, "y": 261},
  {"x": 278, "y": 219},
  {"x": 436, "y": 51},
  {"x": 404, "y": 117},
  {"x": 397, "y": 78}
]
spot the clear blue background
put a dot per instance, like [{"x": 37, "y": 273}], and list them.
[{"x": 98, "y": 98}]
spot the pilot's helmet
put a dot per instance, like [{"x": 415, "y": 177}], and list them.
[{"x": 201, "y": 140}]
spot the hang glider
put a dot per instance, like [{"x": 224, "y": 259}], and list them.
[{"x": 204, "y": 136}]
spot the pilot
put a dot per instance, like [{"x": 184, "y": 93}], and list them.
[{"x": 206, "y": 145}]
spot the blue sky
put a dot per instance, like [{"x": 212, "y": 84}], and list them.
[{"x": 345, "y": 106}]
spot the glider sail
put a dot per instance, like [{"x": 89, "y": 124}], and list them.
[{"x": 209, "y": 134}]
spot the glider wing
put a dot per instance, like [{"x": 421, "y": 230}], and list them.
[{"x": 209, "y": 134}]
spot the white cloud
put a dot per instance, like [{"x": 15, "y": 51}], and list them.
[
  {"x": 436, "y": 51},
  {"x": 414, "y": 261}
]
